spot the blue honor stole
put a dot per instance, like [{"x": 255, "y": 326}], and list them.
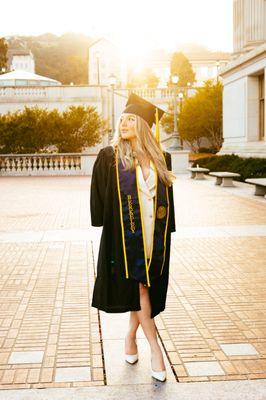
[{"x": 132, "y": 226}]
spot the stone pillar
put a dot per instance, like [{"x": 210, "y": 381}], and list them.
[
  {"x": 87, "y": 162},
  {"x": 249, "y": 24},
  {"x": 180, "y": 161},
  {"x": 252, "y": 107}
]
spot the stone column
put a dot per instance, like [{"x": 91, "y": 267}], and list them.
[
  {"x": 249, "y": 24},
  {"x": 252, "y": 107}
]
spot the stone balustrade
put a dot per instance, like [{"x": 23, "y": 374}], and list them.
[
  {"x": 46, "y": 164},
  {"x": 40, "y": 164}
]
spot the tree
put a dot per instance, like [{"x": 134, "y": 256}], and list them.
[
  {"x": 167, "y": 120},
  {"x": 64, "y": 58},
  {"x": 80, "y": 127},
  {"x": 146, "y": 78},
  {"x": 25, "y": 131},
  {"x": 201, "y": 117},
  {"x": 181, "y": 66},
  {"x": 3, "y": 53},
  {"x": 34, "y": 130}
]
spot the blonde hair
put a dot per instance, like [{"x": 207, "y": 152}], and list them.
[{"x": 146, "y": 147}]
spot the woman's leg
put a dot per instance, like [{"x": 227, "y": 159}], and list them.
[
  {"x": 130, "y": 340},
  {"x": 149, "y": 328}
]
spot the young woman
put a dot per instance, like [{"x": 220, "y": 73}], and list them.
[{"x": 132, "y": 198}]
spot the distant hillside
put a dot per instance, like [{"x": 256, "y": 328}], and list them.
[{"x": 64, "y": 58}]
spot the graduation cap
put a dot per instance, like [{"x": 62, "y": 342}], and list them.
[{"x": 146, "y": 110}]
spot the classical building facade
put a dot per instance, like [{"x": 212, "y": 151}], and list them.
[
  {"x": 205, "y": 64},
  {"x": 249, "y": 25},
  {"x": 105, "y": 59},
  {"x": 244, "y": 109},
  {"x": 19, "y": 59}
]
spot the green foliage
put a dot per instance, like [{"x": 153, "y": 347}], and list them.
[
  {"x": 34, "y": 130},
  {"x": 3, "y": 53},
  {"x": 206, "y": 150},
  {"x": 63, "y": 58},
  {"x": 181, "y": 66},
  {"x": 146, "y": 78},
  {"x": 247, "y": 167},
  {"x": 200, "y": 117},
  {"x": 79, "y": 127},
  {"x": 167, "y": 120}
]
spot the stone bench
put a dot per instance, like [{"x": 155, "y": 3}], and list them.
[
  {"x": 198, "y": 172},
  {"x": 260, "y": 185},
  {"x": 224, "y": 178}
]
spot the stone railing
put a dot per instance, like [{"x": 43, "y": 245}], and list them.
[
  {"x": 23, "y": 91},
  {"x": 164, "y": 93},
  {"x": 48, "y": 93},
  {"x": 46, "y": 164}
]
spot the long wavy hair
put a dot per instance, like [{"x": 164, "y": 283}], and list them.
[{"x": 146, "y": 148}]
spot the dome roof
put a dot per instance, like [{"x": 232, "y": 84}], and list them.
[{"x": 24, "y": 78}]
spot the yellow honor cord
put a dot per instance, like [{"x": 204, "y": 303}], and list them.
[{"x": 157, "y": 130}]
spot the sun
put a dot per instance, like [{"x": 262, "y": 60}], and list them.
[{"x": 133, "y": 52}]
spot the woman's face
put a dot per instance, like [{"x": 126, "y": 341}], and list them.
[{"x": 127, "y": 126}]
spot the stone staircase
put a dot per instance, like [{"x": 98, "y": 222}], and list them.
[{"x": 250, "y": 149}]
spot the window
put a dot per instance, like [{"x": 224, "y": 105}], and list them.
[
  {"x": 21, "y": 82},
  {"x": 204, "y": 72}
]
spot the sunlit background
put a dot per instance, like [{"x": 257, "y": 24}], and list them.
[{"x": 138, "y": 25}]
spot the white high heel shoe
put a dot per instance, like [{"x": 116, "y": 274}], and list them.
[
  {"x": 159, "y": 375},
  {"x": 131, "y": 358}
]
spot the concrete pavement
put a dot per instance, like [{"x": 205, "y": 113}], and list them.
[{"x": 214, "y": 325}]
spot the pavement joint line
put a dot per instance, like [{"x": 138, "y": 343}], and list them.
[
  {"x": 87, "y": 235},
  {"x": 94, "y": 245},
  {"x": 222, "y": 390},
  {"x": 167, "y": 355}
]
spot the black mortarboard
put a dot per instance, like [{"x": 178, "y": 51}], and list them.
[{"x": 143, "y": 108}]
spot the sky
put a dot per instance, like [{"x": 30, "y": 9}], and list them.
[{"x": 139, "y": 23}]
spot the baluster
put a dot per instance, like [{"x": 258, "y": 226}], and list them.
[
  {"x": 30, "y": 164},
  {"x": 24, "y": 164},
  {"x": 3, "y": 165},
  {"x": 40, "y": 165},
  {"x": 34, "y": 165},
  {"x": 53, "y": 164},
  {"x": 78, "y": 162},
  {"x": 8, "y": 165},
  {"x": 56, "y": 164},
  {"x": 19, "y": 164},
  {"x": 45, "y": 164},
  {"x": 66, "y": 163},
  {"x": 72, "y": 167},
  {"x": 61, "y": 163},
  {"x": 13, "y": 165}
]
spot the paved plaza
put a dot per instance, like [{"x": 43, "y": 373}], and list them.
[{"x": 214, "y": 325}]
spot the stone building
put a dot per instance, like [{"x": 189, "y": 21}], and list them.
[
  {"x": 244, "y": 106},
  {"x": 20, "y": 59}
]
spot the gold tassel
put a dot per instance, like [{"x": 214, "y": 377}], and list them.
[{"x": 157, "y": 129}]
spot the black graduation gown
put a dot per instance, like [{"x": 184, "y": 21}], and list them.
[{"x": 113, "y": 292}]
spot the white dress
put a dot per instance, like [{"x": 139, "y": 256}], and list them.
[{"x": 147, "y": 191}]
